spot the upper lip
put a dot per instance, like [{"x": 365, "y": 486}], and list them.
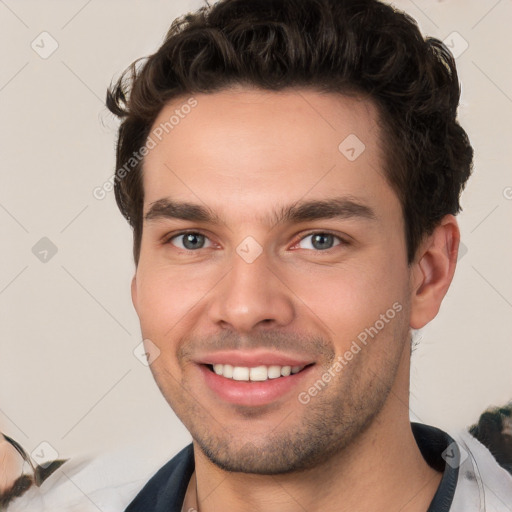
[{"x": 252, "y": 358}]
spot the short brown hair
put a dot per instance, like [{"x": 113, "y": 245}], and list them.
[{"x": 328, "y": 45}]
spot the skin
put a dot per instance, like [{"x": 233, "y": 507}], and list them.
[
  {"x": 11, "y": 465},
  {"x": 242, "y": 152}
]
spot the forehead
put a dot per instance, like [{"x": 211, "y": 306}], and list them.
[{"x": 264, "y": 147}]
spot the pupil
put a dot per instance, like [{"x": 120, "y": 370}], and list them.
[
  {"x": 325, "y": 241},
  {"x": 192, "y": 240}
]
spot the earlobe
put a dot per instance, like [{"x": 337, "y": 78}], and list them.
[{"x": 433, "y": 271}]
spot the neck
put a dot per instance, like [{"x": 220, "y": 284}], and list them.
[{"x": 382, "y": 470}]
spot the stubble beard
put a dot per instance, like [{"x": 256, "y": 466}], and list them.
[{"x": 310, "y": 436}]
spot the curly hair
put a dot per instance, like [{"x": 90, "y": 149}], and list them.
[{"x": 336, "y": 46}]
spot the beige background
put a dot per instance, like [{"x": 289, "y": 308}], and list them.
[{"x": 68, "y": 375}]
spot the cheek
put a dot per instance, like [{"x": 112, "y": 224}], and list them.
[
  {"x": 167, "y": 297},
  {"x": 352, "y": 298}
]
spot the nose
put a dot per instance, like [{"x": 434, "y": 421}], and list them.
[{"x": 251, "y": 296}]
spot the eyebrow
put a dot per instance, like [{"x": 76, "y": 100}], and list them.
[{"x": 300, "y": 211}]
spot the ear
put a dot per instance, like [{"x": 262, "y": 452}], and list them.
[
  {"x": 134, "y": 292},
  {"x": 433, "y": 269}
]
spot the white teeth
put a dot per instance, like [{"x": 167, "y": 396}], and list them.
[
  {"x": 227, "y": 371},
  {"x": 257, "y": 373},
  {"x": 274, "y": 372},
  {"x": 240, "y": 373},
  {"x": 286, "y": 370}
]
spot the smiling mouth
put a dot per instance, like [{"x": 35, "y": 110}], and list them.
[{"x": 254, "y": 374}]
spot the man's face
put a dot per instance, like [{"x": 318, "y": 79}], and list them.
[{"x": 252, "y": 288}]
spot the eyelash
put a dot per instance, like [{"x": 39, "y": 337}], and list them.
[{"x": 342, "y": 241}]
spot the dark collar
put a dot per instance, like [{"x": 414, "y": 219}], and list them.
[
  {"x": 166, "y": 490},
  {"x": 437, "y": 446}
]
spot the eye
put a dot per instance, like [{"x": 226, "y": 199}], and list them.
[
  {"x": 189, "y": 240},
  {"x": 320, "y": 241}
]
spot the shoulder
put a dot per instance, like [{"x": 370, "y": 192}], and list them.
[
  {"x": 166, "y": 488},
  {"x": 482, "y": 484},
  {"x": 472, "y": 478}
]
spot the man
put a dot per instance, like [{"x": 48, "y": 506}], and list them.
[{"x": 291, "y": 170}]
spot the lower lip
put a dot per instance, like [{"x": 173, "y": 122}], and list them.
[{"x": 252, "y": 393}]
